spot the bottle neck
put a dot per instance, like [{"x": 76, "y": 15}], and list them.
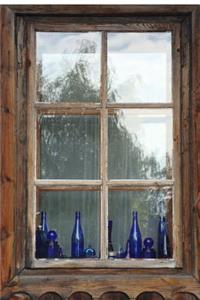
[
  {"x": 44, "y": 220},
  {"x": 78, "y": 217},
  {"x": 135, "y": 217},
  {"x": 162, "y": 219}
]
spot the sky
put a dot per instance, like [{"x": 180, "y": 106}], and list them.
[
  {"x": 139, "y": 63},
  {"x": 140, "y": 67}
]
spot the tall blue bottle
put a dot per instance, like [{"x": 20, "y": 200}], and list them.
[
  {"x": 163, "y": 243},
  {"x": 135, "y": 238},
  {"x": 41, "y": 237},
  {"x": 44, "y": 224},
  {"x": 77, "y": 240}
]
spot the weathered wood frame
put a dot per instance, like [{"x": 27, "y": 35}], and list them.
[
  {"x": 14, "y": 156},
  {"x": 101, "y": 109}
]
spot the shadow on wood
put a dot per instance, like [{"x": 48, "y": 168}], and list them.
[
  {"x": 114, "y": 296},
  {"x": 50, "y": 296},
  {"x": 185, "y": 296},
  {"x": 150, "y": 296},
  {"x": 80, "y": 296}
]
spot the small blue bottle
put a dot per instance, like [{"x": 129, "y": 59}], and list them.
[
  {"x": 52, "y": 249},
  {"x": 89, "y": 252},
  {"x": 135, "y": 238},
  {"x": 148, "y": 251},
  {"x": 77, "y": 239}
]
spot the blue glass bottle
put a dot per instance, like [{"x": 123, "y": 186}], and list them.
[
  {"x": 52, "y": 249},
  {"x": 110, "y": 245},
  {"x": 89, "y": 252},
  {"x": 163, "y": 244},
  {"x": 41, "y": 237},
  {"x": 135, "y": 238},
  {"x": 43, "y": 223},
  {"x": 77, "y": 239},
  {"x": 148, "y": 251},
  {"x": 38, "y": 241}
]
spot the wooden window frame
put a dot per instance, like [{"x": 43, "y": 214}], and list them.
[
  {"x": 102, "y": 110},
  {"x": 15, "y": 63}
]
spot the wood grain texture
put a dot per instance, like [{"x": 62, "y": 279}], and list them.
[
  {"x": 186, "y": 145},
  {"x": 96, "y": 23},
  {"x": 104, "y": 9},
  {"x": 103, "y": 263},
  {"x": 169, "y": 283},
  {"x": 97, "y": 285},
  {"x": 196, "y": 138},
  {"x": 8, "y": 147},
  {"x": 114, "y": 296},
  {"x": 31, "y": 144},
  {"x": 177, "y": 137},
  {"x": 21, "y": 146}
]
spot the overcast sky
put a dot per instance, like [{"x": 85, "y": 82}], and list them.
[{"x": 140, "y": 70}]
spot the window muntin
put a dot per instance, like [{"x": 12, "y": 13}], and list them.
[{"x": 104, "y": 185}]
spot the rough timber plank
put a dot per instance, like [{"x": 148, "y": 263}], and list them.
[
  {"x": 97, "y": 285},
  {"x": 21, "y": 147},
  {"x": 196, "y": 137},
  {"x": 104, "y": 9},
  {"x": 7, "y": 147},
  {"x": 186, "y": 146}
]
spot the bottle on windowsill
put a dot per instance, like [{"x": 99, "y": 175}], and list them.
[
  {"x": 110, "y": 245},
  {"x": 77, "y": 239},
  {"x": 163, "y": 240},
  {"x": 135, "y": 238}
]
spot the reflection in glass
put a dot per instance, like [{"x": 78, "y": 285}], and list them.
[
  {"x": 140, "y": 144},
  {"x": 69, "y": 147},
  {"x": 61, "y": 208},
  {"x": 150, "y": 205},
  {"x": 139, "y": 67},
  {"x": 68, "y": 66}
]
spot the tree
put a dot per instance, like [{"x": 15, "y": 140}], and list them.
[{"x": 70, "y": 149}]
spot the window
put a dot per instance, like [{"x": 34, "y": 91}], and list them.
[
  {"x": 96, "y": 278},
  {"x": 104, "y": 138}
]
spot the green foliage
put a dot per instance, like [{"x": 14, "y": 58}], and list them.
[{"x": 70, "y": 148}]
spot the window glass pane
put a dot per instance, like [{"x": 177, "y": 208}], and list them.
[
  {"x": 139, "y": 67},
  {"x": 150, "y": 205},
  {"x": 140, "y": 144},
  {"x": 68, "y": 66},
  {"x": 60, "y": 208},
  {"x": 69, "y": 147}
]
